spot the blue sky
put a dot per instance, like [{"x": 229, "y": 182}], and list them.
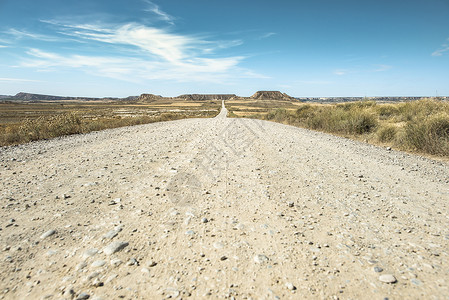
[{"x": 304, "y": 48}]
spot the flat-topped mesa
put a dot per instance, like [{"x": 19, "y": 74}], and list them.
[
  {"x": 148, "y": 97},
  {"x": 202, "y": 97},
  {"x": 271, "y": 95},
  {"x": 37, "y": 97},
  {"x": 28, "y": 97}
]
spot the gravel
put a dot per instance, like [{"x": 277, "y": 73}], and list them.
[{"x": 283, "y": 205}]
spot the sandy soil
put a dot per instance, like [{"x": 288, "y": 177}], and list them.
[{"x": 221, "y": 208}]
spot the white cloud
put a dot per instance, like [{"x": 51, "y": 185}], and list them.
[
  {"x": 137, "y": 69},
  {"x": 314, "y": 82},
  {"x": 267, "y": 35},
  {"x": 155, "y": 9},
  {"x": 3, "y": 46},
  {"x": 155, "y": 41},
  {"x": 439, "y": 52},
  {"x": 21, "y": 34},
  {"x": 141, "y": 52},
  {"x": 18, "y": 80},
  {"x": 341, "y": 72},
  {"x": 362, "y": 69}
]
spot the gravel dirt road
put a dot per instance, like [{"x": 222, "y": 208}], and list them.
[{"x": 221, "y": 208}]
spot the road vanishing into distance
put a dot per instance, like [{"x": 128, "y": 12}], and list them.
[{"x": 221, "y": 208}]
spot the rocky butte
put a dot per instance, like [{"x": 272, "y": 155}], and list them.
[
  {"x": 202, "y": 97},
  {"x": 271, "y": 95}
]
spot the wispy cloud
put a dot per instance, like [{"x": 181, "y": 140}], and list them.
[
  {"x": 362, "y": 69},
  {"x": 136, "y": 52},
  {"x": 3, "y": 46},
  {"x": 155, "y": 9},
  {"x": 156, "y": 41},
  {"x": 139, "y": 69},
  {"x": 267, "y": 35},
  {"x": 382, "y": 68},
  {"x": 314, "y": 82},
  {"x": 135, "y": 69},
  {"x": 18, "y": 80},
  {"x": 22, "y": 34},
  {"x": 443, "y": 49},
  {"x": 341, "y": 72}
]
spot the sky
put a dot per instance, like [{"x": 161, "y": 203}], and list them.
[{"x": 305, "y": 48}]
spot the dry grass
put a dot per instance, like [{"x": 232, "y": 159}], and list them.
[
  {"x": 22, "y": 123},
  {"x": 420, "y": 126}
]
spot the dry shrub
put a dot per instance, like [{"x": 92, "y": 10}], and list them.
[
  {"x": 430, "y": 135},
  {"x": 386, "y": 133},
  {"x": 387, "y": 111},
  {"x": 49, "y": 127},
  {"x": 421, "y": 109},
  {"x": 351, "y": 118}
]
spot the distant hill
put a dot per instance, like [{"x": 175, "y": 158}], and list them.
[
  {"x": 28, "y": 97},
  {"x": 260, "y": 95},
  {"x": 202, "y": 97},
  {"x": 186, "y": 97},
  {"x": 271, "y": 95},
  {"x": 148, "y": 97}
]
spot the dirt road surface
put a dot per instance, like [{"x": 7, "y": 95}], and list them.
[{"x": 221, "y": 208}]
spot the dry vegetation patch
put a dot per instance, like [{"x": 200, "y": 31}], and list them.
[
  {"x": 25, "y": 122},
  {"x": 420, "y": 126}
]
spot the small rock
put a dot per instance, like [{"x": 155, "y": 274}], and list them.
[
  {"x": 110, "y": 278},
  {"x": 112, "y": 233},
  {"x": 89, "y": 253},
  {"x": 92, "y": 276},
  {"x": 151, "y": 263},
  {"x": 291, "y": 204},
  {"x": 260, "y": 258},
  {"x": 204, "y": 220},
  {"x": 70, "y": 293},
  {"x": 190, "y": 232},
  {"x": 81, "y": 266},
  {"x": 172, "y": 293},
  {"x": 223, "y": 257},
  {"x": 98, "y": 263},
  {"x": 83, "y": 296},
  {"x": 145, "y": 270},
  {"x": 378, "y": 269},
  {"x": 116, "y": 262},
  {"x": 97, "y": 282},
  {"x": 218, "y": 245},
  {"x": 290, "y": 286},
  {"x": 48, "y": 233},
  {"x": 387, "y": 278},
  {"x": 132, "y": 262},
  {"x": 115, "y": 247}
]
